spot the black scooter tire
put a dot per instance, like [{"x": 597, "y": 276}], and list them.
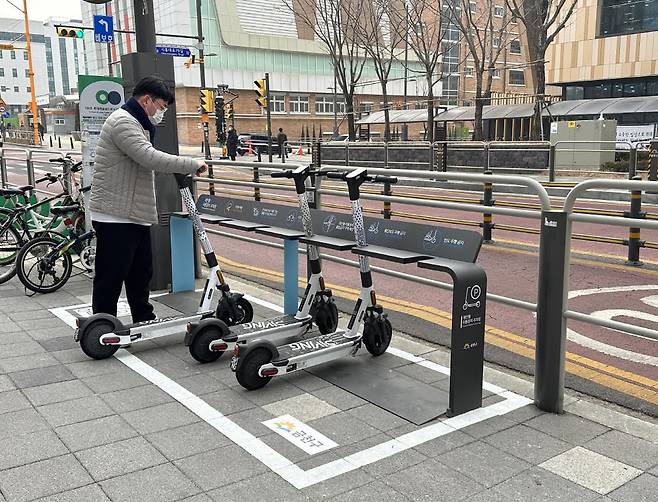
[
  {"x": 242, "y": 305},
  {"x": 248, "y": 366},
  {"x": 199, "y": 348},
  {"x": 325, "y": 315},
  {"x": 377, "y": 334},
  {"x": 90, "y": 340}
]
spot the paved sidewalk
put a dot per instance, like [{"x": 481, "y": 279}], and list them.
[{"x": 146, "y": 426}]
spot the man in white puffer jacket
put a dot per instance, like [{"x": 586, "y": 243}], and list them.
[{"x": 122, "y": 201}]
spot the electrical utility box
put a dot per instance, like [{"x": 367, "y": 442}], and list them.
[{"x": 583, "y": 144}]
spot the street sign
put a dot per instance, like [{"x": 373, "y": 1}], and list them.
[
  {"x": 176, "y": 51},
  {"x": 6, "y": 115},
  {"x": 103, "y": 29}
]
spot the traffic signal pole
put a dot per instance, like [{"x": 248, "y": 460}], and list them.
[
  {"x": 33, "y": 92},
  {"x": 202, "y": 78}
]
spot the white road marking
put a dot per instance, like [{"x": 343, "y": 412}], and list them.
[
  {"x": 613, "y": 350},
  {"x": 281, "y": 465}
]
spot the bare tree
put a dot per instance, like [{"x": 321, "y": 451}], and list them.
[
  {"x": 335, "y": 27},
  {"x": 382, "y": 43},
  {"x": 425, "y": 22},
  {"x": 543, "y": 20},
  {"x": 485, "y": 33}
]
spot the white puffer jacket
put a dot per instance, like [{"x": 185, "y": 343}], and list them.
[{"x": 122, "y": 184}]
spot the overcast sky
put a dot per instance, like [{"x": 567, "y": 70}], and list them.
[{"x": 42, "y": 9}]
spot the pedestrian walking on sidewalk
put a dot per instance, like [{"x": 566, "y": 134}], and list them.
[
  {"x": 122, "y": 201},
  {"x": 232, "y": 142},
  {"x": 282, "y": 139}
]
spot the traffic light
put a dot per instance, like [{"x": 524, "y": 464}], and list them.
[
  {"x": 261, "y": 91},
  {"x": 228, "y": 112},
  {"x": 189, "y": 62},
  {"x": 207, "y": 101},
  {"x": 71, "y": 31}
]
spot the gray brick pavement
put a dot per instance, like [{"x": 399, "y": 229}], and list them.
[{"x": 76, "y": 430}]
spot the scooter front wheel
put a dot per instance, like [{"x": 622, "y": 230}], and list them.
[
  {"x": 377, "y": 334},
  {"x": 238, "y": 313},
  {"x": 325, "y": 314},
  {"x": 90, "y": 340},
  {"x": 248, "y": 367}
]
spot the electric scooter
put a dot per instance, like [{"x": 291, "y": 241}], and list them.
[
  {"x": 256, "y": 364},
  {"x": 207, "y": 340},
  {"x": 101, "y": 335}
]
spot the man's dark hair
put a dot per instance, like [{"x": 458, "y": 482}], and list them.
[
  {"x": 280, "y": 129},
  {"x": 154, "y": 86}
]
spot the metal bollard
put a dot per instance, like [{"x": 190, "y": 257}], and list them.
[
  {"x": 71, "y": 138},
  {"x": 51, "y": 141},
  {"x": 488, "y": 200},
  {"x": 485, "y": 154},
  {"x": 634, "y": 242},
  {"x": 632, "y": 163},
  {"x": 3, "y": 171},
  {"x": 256, "y": 180},
  {"x": 551, "y": 164},
  {"x": 59, "y": 142},
  {"x": 30, "y": 173}
]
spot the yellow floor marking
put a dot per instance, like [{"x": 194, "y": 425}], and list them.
[{"x": 603, "y": 374}]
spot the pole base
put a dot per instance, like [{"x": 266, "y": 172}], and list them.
[{"x": 633, "y": 263}]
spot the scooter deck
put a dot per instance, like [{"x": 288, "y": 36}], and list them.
[
  {"x": 307, "y": 346},
  {"x": 274, "y": 324},
  {"x": 161, "y": 321}
]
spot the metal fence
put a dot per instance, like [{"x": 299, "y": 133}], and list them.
[{"x": 555, "y": 229}]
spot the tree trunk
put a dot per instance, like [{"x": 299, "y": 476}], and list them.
[
  {"x": 387, "y": 116},
  {"x": 539, "y": 76},
  {"x": 349, "y": 109},
  {"x": 430, "y": 110},
  {"x": 479, "y": 106}
]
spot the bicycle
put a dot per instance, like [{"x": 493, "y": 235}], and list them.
[
  {"x": 44, "y": 264},
  {"x": 22, "y": 223}
]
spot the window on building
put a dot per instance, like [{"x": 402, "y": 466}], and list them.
[
  {"x": 515, "y": 47},
  {"x": 324, "y": 104},
  {"x": 29, "y": 89},
  {"x": 2, "y": 72},
  {"x": 499, "y": 11},
  {"x": 496, "y": 43},
  {"x": 60, "y": 122},
  {"x": 14, "y": 72},
  {"x": 468, "y": 71},
  {"x": 1, "y": 54},
  {"x": 3, "y": 88},
  {"x": 278, "y": 103},
  {"x": 495, "y": 73},
  {"x": 25, "y": 55},
  {"x": 516, "y": 77},
  {"x": 298, "y": 104},
  {"x": 472, "y": 6},
  {"x": 27, "y": 73},
  {"x": 13, "y": 54},
  {"x": 620, "y": 17},
  {"x": 365, "y": 108},
  {"x": 15, "y": 88}
]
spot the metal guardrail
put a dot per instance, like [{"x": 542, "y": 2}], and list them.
[{"x": 554, "y": 262}]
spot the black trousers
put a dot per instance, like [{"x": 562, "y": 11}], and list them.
[{"x": 123, "y": 255}]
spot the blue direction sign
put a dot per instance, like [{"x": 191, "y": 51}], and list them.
[
  {"x": 170, "y": 50},
  {"x": 103, "y": 29}
]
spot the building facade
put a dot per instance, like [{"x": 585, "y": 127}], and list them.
[
  {"x": 56, "y": 62},
  {"x": 607, "y": 49}
]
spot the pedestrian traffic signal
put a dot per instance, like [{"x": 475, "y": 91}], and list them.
[
  {"x": 261, "y": 91},
  {"x": 189, "y": 62},
  {"x": 207, "y": 101},
  {"x": 228, "y": 112},
  {"x": 71, "y": 31}
]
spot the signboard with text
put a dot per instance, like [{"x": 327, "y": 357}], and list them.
[{"x": 103, "y": 29}]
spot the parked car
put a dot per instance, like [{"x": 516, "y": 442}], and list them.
[{"x": 258, "y": 144}]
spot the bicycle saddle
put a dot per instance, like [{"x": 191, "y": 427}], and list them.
[
  {"x": 60, "y": 210},
  {"x": 6, "y": 192}
]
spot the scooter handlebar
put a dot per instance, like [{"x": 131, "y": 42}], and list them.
[
  {"x": 334, "y": 175},
  {"x": 281, "y": 174}
]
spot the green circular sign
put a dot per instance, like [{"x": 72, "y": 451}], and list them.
[{"x": 102, "y": 97}]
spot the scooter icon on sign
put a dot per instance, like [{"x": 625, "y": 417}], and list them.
[{"x": 472, "y": 299}]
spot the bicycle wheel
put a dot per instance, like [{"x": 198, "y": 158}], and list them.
[
  {"x": 10, "y": 242},
  {"x": 40, "y": 268}
]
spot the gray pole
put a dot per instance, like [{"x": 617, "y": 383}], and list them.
[
  {"x": 109, "y": 46},
  {"x": 202, "y": 78},
  {"x": 269, "y": 116},
  {"x": 144, "y": 25},
  {"x": 335, "y": 108}
]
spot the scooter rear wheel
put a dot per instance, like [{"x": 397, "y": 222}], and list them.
[
  {"x": 377, "y": 334},
  {"x": 248, "y": 366},
  {"x": 90, "y": 340},
  {"x": 200, "y": 346}
]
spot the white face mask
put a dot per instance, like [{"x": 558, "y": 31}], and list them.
[{"x": 157, "y": 117}]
